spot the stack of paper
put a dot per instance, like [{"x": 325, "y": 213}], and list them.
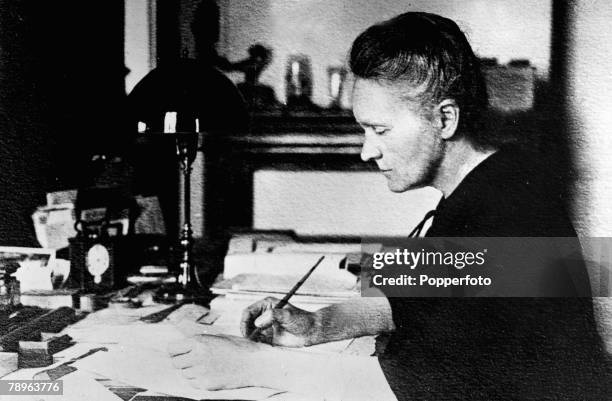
[
  {"x": 257, "y": 267},
  {"x": 340, "y": 287}
]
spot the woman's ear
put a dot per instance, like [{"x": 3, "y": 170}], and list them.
[{"x": 449, "y": 118}]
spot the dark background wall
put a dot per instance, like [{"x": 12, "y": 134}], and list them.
[{"x": 61, "y": 96}]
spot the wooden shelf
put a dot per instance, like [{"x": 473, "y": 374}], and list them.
[
  {"x": 289, "y": 143},
  {"x": 315, "y": 134}
]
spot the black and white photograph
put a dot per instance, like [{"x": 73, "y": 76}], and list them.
[{"x": 306, "y": 200}]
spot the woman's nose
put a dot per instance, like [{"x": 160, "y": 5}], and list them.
[{"x": 369, "y": 150}]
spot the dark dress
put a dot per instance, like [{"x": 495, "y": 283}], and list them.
[{"x": 497, "y": 348}]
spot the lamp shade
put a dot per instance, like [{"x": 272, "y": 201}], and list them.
[{"x": 193, "y": 90}]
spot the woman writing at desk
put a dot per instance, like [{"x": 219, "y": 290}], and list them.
[{"x": 419, "y": 95}]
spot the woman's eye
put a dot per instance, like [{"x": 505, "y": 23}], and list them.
[{"x": 380, "y": 130}]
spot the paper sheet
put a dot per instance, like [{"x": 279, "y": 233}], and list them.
[
  {"x": 137, "y": 356},
  {"x": 148, "y": 336},
  {"x": 153, "y": 370}
]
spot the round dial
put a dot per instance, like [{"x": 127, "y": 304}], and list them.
[{"x": 98, "y": 260}]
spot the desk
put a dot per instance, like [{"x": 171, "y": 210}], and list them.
[{"x": 132, "y": 344}]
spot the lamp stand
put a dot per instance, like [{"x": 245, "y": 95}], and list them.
[{"x": 187, "y": 287}]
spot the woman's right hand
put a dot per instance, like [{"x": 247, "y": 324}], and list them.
[{"x": 289, "y": 326}]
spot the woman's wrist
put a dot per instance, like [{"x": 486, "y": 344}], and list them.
[
  {"x": 316, "y": 334},
  {"x": 354, "y": 318}
]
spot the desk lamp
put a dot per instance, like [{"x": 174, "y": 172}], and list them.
[
  {"x": 185, "y": 130},
  {"x": 172, "y": 105}
]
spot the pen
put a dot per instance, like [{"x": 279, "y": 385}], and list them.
[{"x": 287, "y": 297}]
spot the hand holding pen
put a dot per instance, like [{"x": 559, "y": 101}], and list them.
[{"x": 278, "y": 322}]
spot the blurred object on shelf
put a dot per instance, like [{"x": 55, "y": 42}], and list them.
[
  {"x": 336, "y": 76},
  {"x": 257, "y": 96},
  {"x": 298, "y": 83}
]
